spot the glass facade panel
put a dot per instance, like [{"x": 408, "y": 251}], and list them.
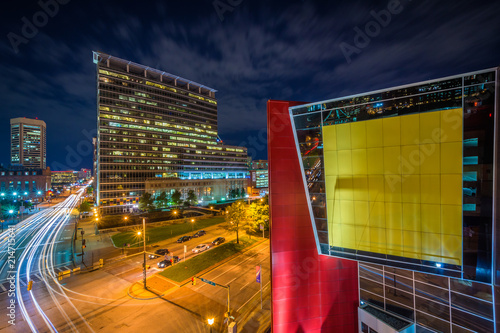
[
  {"x": 432, "y": 293},
  {"x": 432, "y": 322},
  {"x": 469, "y": 304},
  {"x": 433, "y": 308},
  {"x": 474, "y": 323}
]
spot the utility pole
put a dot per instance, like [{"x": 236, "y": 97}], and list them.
[{"x": 144, "y": 240}]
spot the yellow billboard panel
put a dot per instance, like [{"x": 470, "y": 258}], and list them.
[{"x": 394, "y": 185}]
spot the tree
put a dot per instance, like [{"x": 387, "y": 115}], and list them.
[
  {"x": 258, "y": 213},
  {"x": 191, "y": 198},
  {"x": 90, "y": 190},
  {"x": 235, "y": 218},
  {"x": 84, "y": 207},
  {"x": 176, "y": 198},
  {"x": 162, "y": 200},
  {"x": 146, "y": 202}
]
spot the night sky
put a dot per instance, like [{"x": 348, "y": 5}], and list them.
[{"x": 250, "y": 51}]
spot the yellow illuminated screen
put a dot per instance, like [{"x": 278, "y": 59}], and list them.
[{"x": 394, "y": 185}]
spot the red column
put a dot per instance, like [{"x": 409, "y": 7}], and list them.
[{"x": 310, "y": 292}]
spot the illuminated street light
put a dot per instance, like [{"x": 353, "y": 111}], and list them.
[
  {"x": 15, "y": 193},
  {"x": 3, "y": 194},
  {"x": 139, "y": 233},
  {"x": 39, "y": 192},
  {"x": 25, "y": 193},
  {"x": 11, "y": 211},
  {"x": 125, "y": 217},
  {"x": 210, "y": 323},
  {"x": 192, "y": 224}
]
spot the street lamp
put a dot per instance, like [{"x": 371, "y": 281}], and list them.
[
  {"x": 144, "y": 241},
  {"x": 192, "y": 224},
  {"x": 15, "y": 193},
  {"x": 210, "y": 323}
]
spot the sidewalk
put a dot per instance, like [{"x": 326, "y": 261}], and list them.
[{"x": 97, "y": 246}]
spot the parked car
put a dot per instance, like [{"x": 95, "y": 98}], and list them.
[
  {"x": 199, "y": 234},
  {"x": 200, "y": 248},
  {"x": 168, "y": 262},
  {"x": 218, "y": 240},
  {"x": 158, "y": 253},
  {"x": 183, "y": 239}
]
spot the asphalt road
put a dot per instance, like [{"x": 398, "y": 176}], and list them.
[
  {"x": 98, "y": 301},
  {"x": 33, "y": 252}
]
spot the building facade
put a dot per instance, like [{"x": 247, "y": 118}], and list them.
[
  {"x": 403, "y": 182},
  {"x": 64, "y": 177},
  {"x": 25, "y": 183},
  {"x": 152, "y": 124},
  {"x": 206, "y": 190},
  {"x": 28, "y": 143}
]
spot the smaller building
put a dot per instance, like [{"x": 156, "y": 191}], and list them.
[
  {"x": 64, "y": 177},
  {"x": 259, "y": 179},
  {"x": 25, "y": 183},
  {"x": 84, "y": 174},
  {"x": 206, "y": 190}
]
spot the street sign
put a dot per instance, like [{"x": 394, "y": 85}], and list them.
[
  {"x": 261, "y": 227},
  {"x": 257, "y": 275},
  {"x": 208, "y": 281}
]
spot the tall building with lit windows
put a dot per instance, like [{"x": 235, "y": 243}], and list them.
[
  {"x": 28, "y": 143},
  {"x": 384, "y": 209},
  {"x": 152, "y": 125}
]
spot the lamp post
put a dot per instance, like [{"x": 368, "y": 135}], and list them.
[
  {"x": 144, "y": 241},
  {"x": 192, "y": 225},
  {"x": 210, "y": 323}
]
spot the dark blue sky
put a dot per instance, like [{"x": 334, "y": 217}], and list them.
[{"x": 260, "y": 50}]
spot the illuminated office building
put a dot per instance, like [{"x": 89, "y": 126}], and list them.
[
  {"x": 152, "y": 124},
  {"x": 28, "y": 143},
  {"x": 403, "y": 182}
]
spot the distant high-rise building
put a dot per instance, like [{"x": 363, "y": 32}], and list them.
[
  {"x": 28, "y": 143},
  {"x": 154, "y": 125}
]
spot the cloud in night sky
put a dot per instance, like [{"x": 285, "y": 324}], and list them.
[{"x": 284, "y": 50}]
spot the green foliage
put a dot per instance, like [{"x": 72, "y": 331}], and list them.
[
  {"x": 236, "y": 218},
  {"x": 257, "y": 214},
  {"x": 191, "y": 198},
  {"x": 84, "y": 207},
  {"x": 90, "y": 190},
  {"x": 162, "y": 200},
  {"x": 146, "y": 202},
  {"x": 184, "y": 270},
  {"x": 165, "y": 232},
  {"x": 176, "y": 198}
]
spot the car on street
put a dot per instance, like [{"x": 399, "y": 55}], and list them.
[
  {"x": 183, "y": 239},
  {"x": 200, "y": 248},
  {"x": 218, "y": 240},
  {"x": 199, "y": 234},
  {"x": 168, "y": 262},
  {"x": 158, "y": 253}
]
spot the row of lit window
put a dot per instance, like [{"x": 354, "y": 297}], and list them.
[
  {"x": 160, "y": 117},
  {"x": 163, "y": 87}
]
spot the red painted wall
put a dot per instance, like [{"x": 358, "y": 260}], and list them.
[{"x": 310, "y": 293}]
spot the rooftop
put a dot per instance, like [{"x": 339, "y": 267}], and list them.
[{"x": 100, "y": 57}]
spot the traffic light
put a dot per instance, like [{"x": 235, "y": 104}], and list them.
[
  {"x": 193, "y": 281},
  {"x": 84, "y": 246},
  {"x": 83, "y": 242},
  {"x": 30, "y": 285}
]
